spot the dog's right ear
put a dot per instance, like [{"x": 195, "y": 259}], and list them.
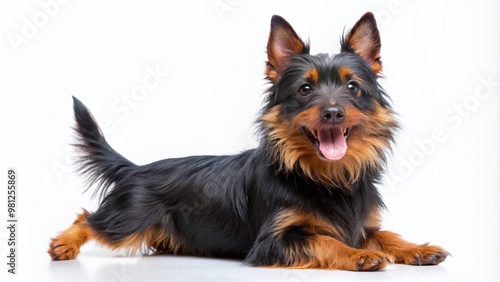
[{"x": 283, "y": 43}]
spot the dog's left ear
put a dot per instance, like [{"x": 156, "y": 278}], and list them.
[
  {"x": 283, "y": 43},
  {"x": 364, "y": 40}
]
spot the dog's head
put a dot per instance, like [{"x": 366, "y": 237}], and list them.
[{"x": 326, "y": 115}]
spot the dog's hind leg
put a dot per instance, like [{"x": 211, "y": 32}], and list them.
[{"x": 67, "y": 244}]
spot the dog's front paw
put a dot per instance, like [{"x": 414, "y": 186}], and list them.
[
  {"x": 367, "y": 260},
  {"x": 61, "y": 249},
  {"x": 422, "y": 255}
]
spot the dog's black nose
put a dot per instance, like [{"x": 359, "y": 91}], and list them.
[{"x": 333, "y": 114}]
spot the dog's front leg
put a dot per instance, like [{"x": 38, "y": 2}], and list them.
[
  {"x": 297, "y": 240},
  {"x": 316, "y": 251},
  {"x": 401, "y": 251}
]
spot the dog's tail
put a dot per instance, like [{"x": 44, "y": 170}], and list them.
[{"x": 98, "y": 160}]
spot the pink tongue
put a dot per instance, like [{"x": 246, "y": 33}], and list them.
[{"x": 332, "y": 143}]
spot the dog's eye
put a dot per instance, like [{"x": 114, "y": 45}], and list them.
[
  {"x": 353, "y": 87},
  {"x": 305, "y": 90}
]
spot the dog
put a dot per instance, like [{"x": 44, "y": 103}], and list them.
[{"x": 304, "y": 198}]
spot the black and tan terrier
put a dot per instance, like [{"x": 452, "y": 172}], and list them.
[{"x": 304, "y": 198}]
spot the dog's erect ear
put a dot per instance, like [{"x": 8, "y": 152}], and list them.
[
  {"x": 364, "y": 40},
  {"x": 282, "y": 45}
]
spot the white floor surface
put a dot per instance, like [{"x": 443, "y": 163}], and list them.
[{"x": 100, "y": 265}]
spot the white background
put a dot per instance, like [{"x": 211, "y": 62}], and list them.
[{"x": 443, "y": 183}]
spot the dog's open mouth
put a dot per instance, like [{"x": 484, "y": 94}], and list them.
[{"x": 331, "y": 143}]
